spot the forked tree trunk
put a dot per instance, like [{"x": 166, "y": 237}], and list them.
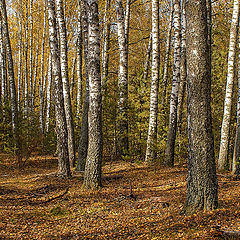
[
  {"x": 223, "y": 152},
  {"x": 92, "y": 175},
  {"x": 65, "y": 79},
  {"x": 172, "y": 129},
  {"x": 122, "y": 82},
  {"x": 202, "y": 187},
  {"x": 61, "y": 124},
  {"x": 151, "y": 151}
]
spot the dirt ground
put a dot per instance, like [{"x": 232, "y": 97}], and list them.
[{"x": 136, "y": 202}]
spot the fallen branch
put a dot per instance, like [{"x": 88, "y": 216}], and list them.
[
  {"x": 52, "y": 198},
  {"x": 226, "y": 232}
]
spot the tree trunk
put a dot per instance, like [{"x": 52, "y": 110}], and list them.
[
  {"x": 31, "y": 57},
  {"x": 223, "y": 152},
  {"x": 26, "y": 65},
  {"x": 48, "y": 97},
  {"x": 79, "y": 65},
  {"x": 83, "y": 142},
  {"x": 167, "y": 54},
  {"x": 61, "y": 124},
  {"x": 19, "y": 58},
  {"x": 151, "y": 151},
  {"x": 65, "y": 79},
  {"x": 147, "y": 61},
  {"x": 122, "y": 82},
  {"x": 14, "y": 110},
  {"x": 106, "y": 45},
  {"x": 172, "y": 129},
  {"x": 202, "y": 187},
  {"x": 41, "y": 96},
  {"x": 92, "y": 175},
  {"x": 183, "y": 70},
  {"x": 236, "y": 151}
]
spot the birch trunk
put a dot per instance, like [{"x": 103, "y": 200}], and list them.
[
  {"x": 122, "y": 82},
  {"x": 65, "y": 79},
  {"x": 19, "y": 59},
  {"x": 79, "y": 64},
  {"x": 223, "y": 152},
  {"x": 61, "y": 124},
  {"x": 41, "y": 80},
  {"x": 151, "y": 151},
  {"x": 48, "y": 95},
  {"x": 202, "y": 187},
  {"x": 236, "y": 151},
  {"x": 35, "y": 76},
  {"x": 31, "y": 56},
  {"x": 26, "y": 64},
  {"x": 92, "y": 174},
  {"x": 147, "y": 62},
  {"x": 106, "y": 44},
  {"x": 3, "y": 68},
  {"x": 14, "y": 110},
  {"x": 83, "y": 142},
  {"x": 183, "y": 70},
  {"x": 172, "y": 129},
  {"x": 167, "y": 54}
]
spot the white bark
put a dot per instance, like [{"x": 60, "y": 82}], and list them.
[
  {"x": 172, "y": 129},
  {"x": 123, "y": 81},
  {"x": 92, "y": 174},
  {"x": 223, "y": 152},
  {"x": 151, "y": 152},
  {"x": 65, "y": 79}
]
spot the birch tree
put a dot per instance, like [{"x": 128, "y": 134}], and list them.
[
  {"x": 61, "y": 124},
  {"x": 223, "y": 152},
  {"x": 172, "y": 129},
  {"x": 65, "y": 79},
  {"x": 151, "y": 152},
  {"x": 106, "y": 44},
  {"x": 83, "y": 142},
  {"x": 167, "y": 54},
  {"x": 92, "y": 175},
  {"x": 202, "y": 187},
  {"x": 14, "y": 109},
  {"x": 122, "y": 81}
]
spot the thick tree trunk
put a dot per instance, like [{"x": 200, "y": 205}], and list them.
[
  {"x": 61, "y": 124},
  {"x": 14, "y": 109},
  {"x": 202, "y": 187},
  {"x": 65, "y": 79},
  {"x": 167, "y": 54},
  {"x": 172, "y": 129},
  {"x": 223, "y": 152},
  {"x": 92, "y": 175},
  {"x": 236, "y": 151},
  {"x": 122, "y": 82},
  {"x": 83, "y": 142},
  {"x": 151, "y": 151}
]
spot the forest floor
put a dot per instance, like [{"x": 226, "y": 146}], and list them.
[{"x": 136, "y": 202}]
